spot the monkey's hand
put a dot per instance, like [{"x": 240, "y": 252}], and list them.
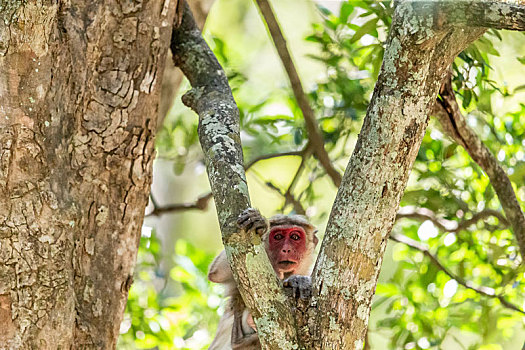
[
  {"x": 251, "y": 219},
  {"x": 298, "y": 286}
]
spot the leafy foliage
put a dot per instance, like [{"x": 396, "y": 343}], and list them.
[{"x": 154, "y": 317}]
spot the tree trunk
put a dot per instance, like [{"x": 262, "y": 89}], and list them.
[{"x": 79, "y": 85}]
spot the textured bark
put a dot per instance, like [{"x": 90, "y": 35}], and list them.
[
  {"x": 212, "y": 100},
  {"x": 417, "y": 56},
  {"x": 495, "y": 14},
  {"x": 79, "y": 85}
]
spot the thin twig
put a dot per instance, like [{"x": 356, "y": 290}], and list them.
[
  {"x": 423, "y": 214},
  {"x": 314, "y": 134},
  {"x": 485, "y": 291},
  {"x": 288, "y": 195},
  {"x": 202, "y": 202},
  {"x": 289, "y": 198},
  {"x": 455, "y": 125},
  {"x": 273, "y": 155},
  {"x": 306, "y": 155}
]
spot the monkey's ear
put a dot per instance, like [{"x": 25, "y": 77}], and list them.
[
  {"x": 220, "y": 271},
  {"x": 314, "y": 238}
]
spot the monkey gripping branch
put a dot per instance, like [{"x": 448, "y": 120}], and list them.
[
  {"x": 424, "y": 39},
  {"x": 212, "y": 100}
]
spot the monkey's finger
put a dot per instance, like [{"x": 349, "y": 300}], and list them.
[
  {"x": 250, "y": 212},
  {"x": 261, "y": 229},
  {"x": 242, "y": 216},
  {"x": 304, "y": 293},
  {"x": 248, "y": 215},
  {"x": 246, "y": 223},
  {"x": 257, "y": 223},
  {"x": 242, "y": 220}
]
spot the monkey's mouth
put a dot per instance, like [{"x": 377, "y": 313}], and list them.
[{"x": 287, "y": 263}]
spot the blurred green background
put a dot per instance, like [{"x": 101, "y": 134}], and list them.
[{"x": 337, "y": 47}]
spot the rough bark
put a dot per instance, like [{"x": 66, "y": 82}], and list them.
[
  {"x": 495, "y": 14},
  {"x": 79, "y": 88},
  {"x": 212, "y": 100},
  {"x": 419, "y": 51}
]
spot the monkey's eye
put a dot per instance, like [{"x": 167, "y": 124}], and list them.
[
  {"x": 278, "y": 237},
  {"x": 295, "y": 236}
]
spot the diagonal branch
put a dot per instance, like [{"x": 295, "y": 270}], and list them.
[
  {"x": 485, "y": 291},
  {"x": 455, "y": 125},
  {"x": 314, "y": 134},
  {"x": 200, "y": 204},
  {"x": 423, "y": 214}
]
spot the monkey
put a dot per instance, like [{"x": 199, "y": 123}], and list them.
[{"x": 290, "y": 243}]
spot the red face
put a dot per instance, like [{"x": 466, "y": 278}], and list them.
[{"x": 287, "y": 247}]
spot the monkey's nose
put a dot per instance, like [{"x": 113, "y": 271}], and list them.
[{"x": 286, "y": 250}]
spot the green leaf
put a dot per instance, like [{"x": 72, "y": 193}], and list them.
[
  {"x": 298, "y": 136},
  {"x": 450, "y": 151},
  {"x": 367, "y": 28},
  {"x": 486, "y": 45},
  {"x": 387, "y": 289},
  {"x": 467, "y": 97},
  {"x": 345, "y": 12},
  {"x": 324, "y": 10},
  {"x": 178, "y": 166}
]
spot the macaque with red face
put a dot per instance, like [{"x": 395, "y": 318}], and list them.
[{"x": 290, "y": 243}]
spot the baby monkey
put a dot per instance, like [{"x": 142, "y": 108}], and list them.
[{"x": 290, "y": 244}]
